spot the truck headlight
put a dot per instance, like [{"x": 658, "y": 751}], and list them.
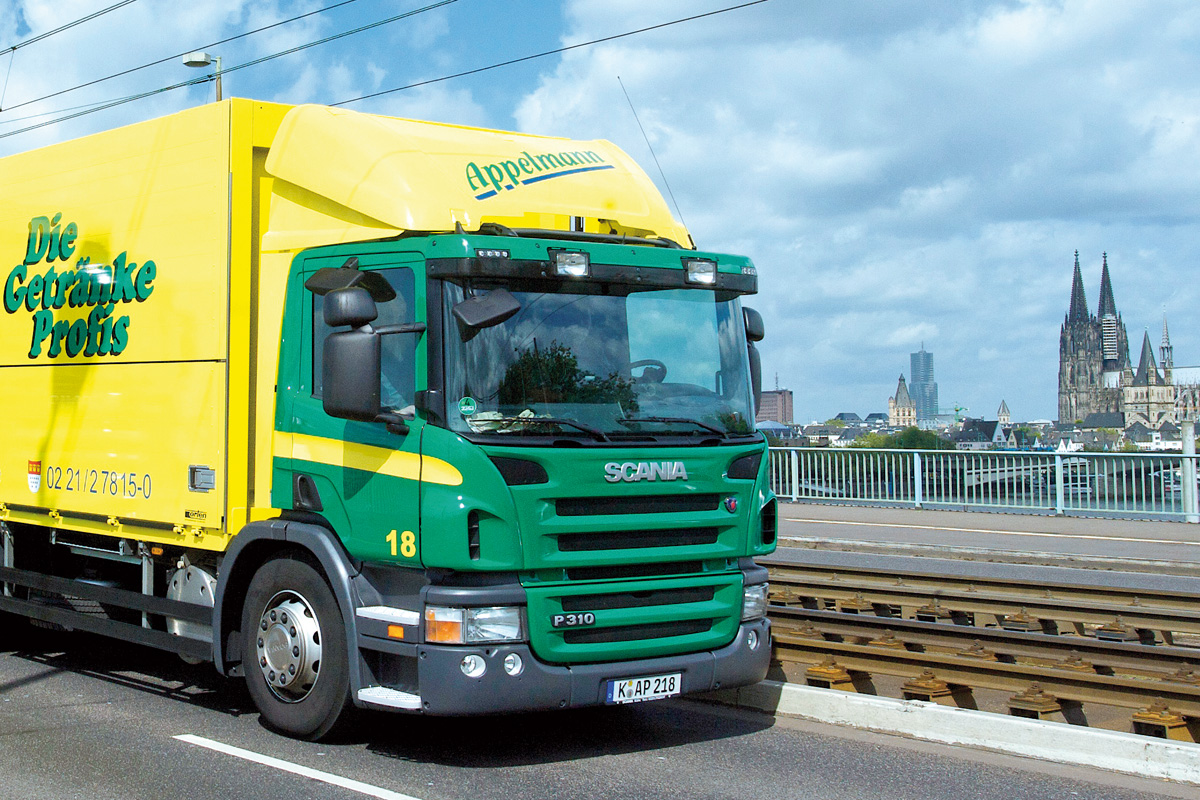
[
  {"x": 754, "y": 602},
  {"x": 451, "y": 625}
]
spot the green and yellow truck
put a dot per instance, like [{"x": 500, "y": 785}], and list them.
[{"x": 379, "y": 413}]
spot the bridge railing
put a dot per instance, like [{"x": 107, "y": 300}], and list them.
[{"x": 1128, "y": 485}]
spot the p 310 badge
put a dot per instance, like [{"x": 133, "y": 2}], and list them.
[{"x": 580, "y": 620}]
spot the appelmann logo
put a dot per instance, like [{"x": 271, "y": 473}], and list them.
[
  {"x": 490, "y": 180},
  {"x": 100, "y": 287}
]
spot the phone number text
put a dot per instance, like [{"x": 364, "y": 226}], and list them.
[{"x": 99, "y": 481}]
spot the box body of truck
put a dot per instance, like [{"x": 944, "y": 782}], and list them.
[{"x": 377, "y": 412}]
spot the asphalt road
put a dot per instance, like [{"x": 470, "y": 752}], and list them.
[
  {"x": 1051, "y": 540},
  {"x": 82, "y": 717}
]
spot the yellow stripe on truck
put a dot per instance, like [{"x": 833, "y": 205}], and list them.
[{"x": 351, "y": 455}]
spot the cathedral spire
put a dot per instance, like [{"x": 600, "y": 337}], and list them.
[
  {"x": 1107, "y": 304},
  {"x": 1079, "y": 310},
  {"x": 1147, "y": 371},
  {"x": 1166, "y": 353}
]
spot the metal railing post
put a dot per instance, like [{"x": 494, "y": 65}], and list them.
[
  {"x": 1059, "y": 507},
  {"x": 918, "y": 480},
  {"x": 1187, "y": 472},
  {"x": 795, "y": 465}
]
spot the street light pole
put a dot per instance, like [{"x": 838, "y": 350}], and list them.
[{"x": 202, "y": 59}]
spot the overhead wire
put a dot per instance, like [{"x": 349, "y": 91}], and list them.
[
  {"x": 217, "y": 43},
  {"x": 465, "y": 73},
  {"x": 12, "y": 50},
  {"x": 70, "y": 25},
  {"x": 207, "y": 78},
  {"x": 545, "y": 53}
]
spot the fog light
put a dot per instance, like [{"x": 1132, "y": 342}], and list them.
[
  {"x": 473, "y": 666},
  {"x": 513, "y": 664},
  {"x": 752, "y": 640}
]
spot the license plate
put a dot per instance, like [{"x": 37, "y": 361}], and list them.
[{"x": 651, "y": 687}]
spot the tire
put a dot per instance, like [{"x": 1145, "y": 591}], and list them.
[{"x": 294, "y": 650}]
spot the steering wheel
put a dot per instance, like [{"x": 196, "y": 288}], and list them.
[{"x": 655, "y": 372}]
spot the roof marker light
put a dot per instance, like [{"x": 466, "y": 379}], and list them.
[
  {"x": 701, "y": 270},
  {"x": 570, "y": 264}
]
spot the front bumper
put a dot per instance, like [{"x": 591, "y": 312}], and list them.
[{"x": 444, "y": 689}]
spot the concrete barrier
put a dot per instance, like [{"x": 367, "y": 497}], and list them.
[{"x": 1050, "y": 741}]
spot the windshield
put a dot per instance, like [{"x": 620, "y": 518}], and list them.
[{"x": 601, "y": 361}]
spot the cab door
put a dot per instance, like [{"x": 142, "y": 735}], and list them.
[{"x": 365, "y": 479}]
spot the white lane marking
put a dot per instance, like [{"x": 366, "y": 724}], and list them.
[
  {"x": 295, "y": 769},
  {"x": 985, "y": 530}
]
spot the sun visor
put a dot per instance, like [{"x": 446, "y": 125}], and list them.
[{"x": 345, "y": 176}]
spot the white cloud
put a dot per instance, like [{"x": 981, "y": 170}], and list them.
[
  {"x": 898, "y": 171},
  {"x": 923, "y": 169}
]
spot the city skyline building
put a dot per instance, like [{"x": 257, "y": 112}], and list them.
[
  {"x": 775, "y": 405},
  {"x": 923, "y": 389}
]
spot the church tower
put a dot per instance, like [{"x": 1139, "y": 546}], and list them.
[
  {"x": 902, "y": 411},
  {"x": 1150, "y": 398},
  {"x": 1114, "y": 340},
  {"x": 1092, "y": 352}
]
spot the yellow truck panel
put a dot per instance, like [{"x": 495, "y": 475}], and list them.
[
  {"x": 103, "y": 279},
  {"x": 120, "y": 441},
  {"x": 128, "y": 336}
]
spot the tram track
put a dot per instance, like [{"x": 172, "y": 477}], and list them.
[{"x": 1054, "y": 638}]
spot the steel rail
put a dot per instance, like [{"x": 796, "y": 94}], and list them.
[
  {"x": 1080, "y": 604},
  {"x": 1068, "y": 652}
]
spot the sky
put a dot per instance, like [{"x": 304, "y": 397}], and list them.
[{"x": 901, "y": 173}]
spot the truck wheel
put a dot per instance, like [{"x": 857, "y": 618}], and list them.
[{"x": 294, "y": 650}]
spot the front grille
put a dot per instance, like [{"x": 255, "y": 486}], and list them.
[
  {"x": 642, "y": 617},
  {"x": 650, "y": 504},
  {"x": 630, "y": 633},
  {"x": 663, "y": 597},
  {"x": 619, "y": 540},
  {"x": 633, "y": 571}
]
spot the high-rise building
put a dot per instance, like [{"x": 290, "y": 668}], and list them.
[
  {"x": 923, "y": 389},
  {"x": 775, "y": 406}
]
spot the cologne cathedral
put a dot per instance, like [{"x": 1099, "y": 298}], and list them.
[{"x": 1096, "y": 378}]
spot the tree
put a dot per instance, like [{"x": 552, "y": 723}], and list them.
[{"x": 907, "y": 439}]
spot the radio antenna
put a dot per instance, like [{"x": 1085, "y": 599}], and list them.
[{"x": 652, "y": 153}]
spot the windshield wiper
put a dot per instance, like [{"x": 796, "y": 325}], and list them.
[
  {"x": 677, "y": 421},
  {"x": 588, "y": 429}
]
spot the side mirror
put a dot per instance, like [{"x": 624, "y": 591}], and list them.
[
  {"x": 754, "y": 333},
  {"x": 351, "y": 306},
  {"x": 350, "y": 373},
  {"x": 484, "y": 311},
  {"x": 754, "y": 325},
  {"x": 755, "y": 374}
]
